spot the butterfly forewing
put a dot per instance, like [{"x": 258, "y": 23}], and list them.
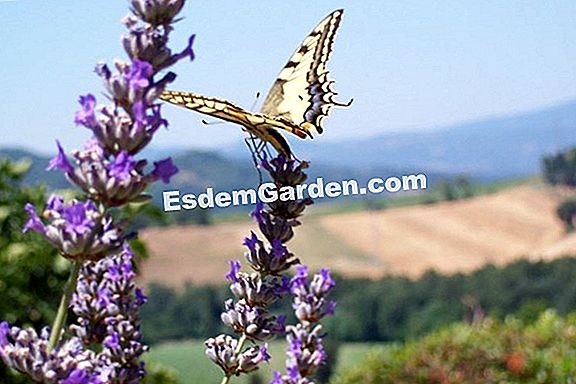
[{"x": 302, "y": 92}]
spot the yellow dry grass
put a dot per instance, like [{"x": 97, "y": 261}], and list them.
[{"x": 449, "y": 237}]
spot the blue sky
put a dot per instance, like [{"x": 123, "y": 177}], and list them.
[{"x": 409, "y": 65}]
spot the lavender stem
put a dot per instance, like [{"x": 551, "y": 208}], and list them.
[
  {"x": 240, "y": 344},
  {"x": 62, "y": 313}
]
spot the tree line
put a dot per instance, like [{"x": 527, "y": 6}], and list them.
[{"x": 389, "y": 309}]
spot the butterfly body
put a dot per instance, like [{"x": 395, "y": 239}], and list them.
[{"x": 297, "y": 102}]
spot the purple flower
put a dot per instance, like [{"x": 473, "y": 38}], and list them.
[
  {"x": 222, "y": 351},
  {"x": 138, "y": 75},
  {"x": 257, "y": 290},
  {"x": 248, "y": 316},
  {"x": 277, "y": 378},
  {"x": 265, "y": 164},
  {"x": 187, "y": 51},
  {"x": 112, "y": 341},
  {"x": 164, "y": 170},
  {"x": 34, "y": 221},
  {"x": 299, "y": 281},
  {"x": 60, "y": 161},
  {"x": 122, "y": 166},
  {"x": 310, "y": 303},
  {"x": 103, "y": 71},
  {"x": 234, "y": 269},
  {"x": 106, "y": 300},
  {"x": 305, "y": 351},
  {"x": 263, "y": 354},
  {"x": 78, "y": 376},
  {"x": 252, "y": 321},
  {"x": 322, "y": 282},
  {"x": 76, "y": 215},
  {"x": 155, "y": 120},
  {"x": 293, "y": 374},
  {"x": 139, "y": 113},
  {"x": 251, "y": 241},
  {"x": 86, "y": 116},
  {"x": 251, "y": 358},
  {"x": 140, "y": 297},
  {"x": 257, "y": 213},
  {"x": 330, "y": 307},
  {"x": 4, "y": 330},
  {"x": 279, "y": 250}
]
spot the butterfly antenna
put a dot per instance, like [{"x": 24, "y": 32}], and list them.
[
  {"x": 213, "y": 122},
  {"x": 255, "y": 101}
]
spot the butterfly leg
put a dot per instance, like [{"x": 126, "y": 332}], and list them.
[{"x": 254, "y": 152}]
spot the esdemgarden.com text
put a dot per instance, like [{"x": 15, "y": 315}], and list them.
[{"x": 174, "y": 200}]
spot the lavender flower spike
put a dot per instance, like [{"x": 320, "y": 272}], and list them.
[
  {"x": 306, "y": 352},
  {"x": 106, "y": 303},
  {"x": 269, "y": 259},
  {"x": 106, "y": 345}
]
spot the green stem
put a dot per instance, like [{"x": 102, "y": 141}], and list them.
[
  {"x": 239, "y": 347},
  {"x": 60, "y": 319}
]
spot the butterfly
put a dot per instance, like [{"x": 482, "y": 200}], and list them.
[{"x": 298, "y": 101}]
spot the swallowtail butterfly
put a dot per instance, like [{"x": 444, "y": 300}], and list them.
[{"x": 298, "y": 101}]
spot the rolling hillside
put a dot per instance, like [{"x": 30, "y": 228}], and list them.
[{"x": 449, "y": 237}]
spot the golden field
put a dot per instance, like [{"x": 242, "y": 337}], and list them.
[{"x": 449, "y": 237}]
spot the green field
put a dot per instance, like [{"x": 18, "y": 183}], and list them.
[{"x": 188, "y": 360}]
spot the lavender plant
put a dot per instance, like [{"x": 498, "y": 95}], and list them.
[
  {"x": 248, "y": 316},
  {"x": 104, "y": 344}
]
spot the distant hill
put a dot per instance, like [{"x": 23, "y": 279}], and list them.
[{"x": 494, "y": 148}]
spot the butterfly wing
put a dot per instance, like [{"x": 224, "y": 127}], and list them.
[
  {"x": 303, "y": 93},
  {"x": 298, "y": 101},
  {"x": 262, "y": 126}
]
